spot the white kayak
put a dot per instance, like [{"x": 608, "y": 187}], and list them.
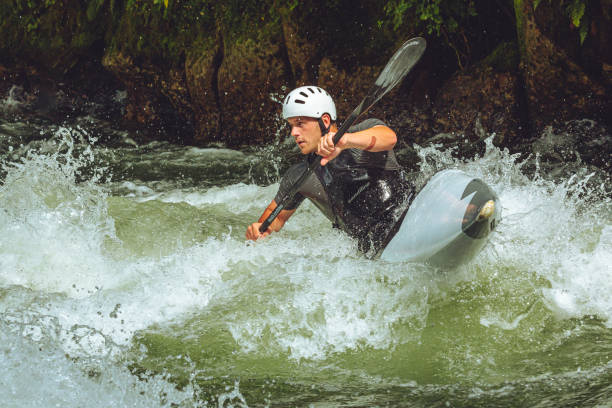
[{"x": 447, "y": 223}]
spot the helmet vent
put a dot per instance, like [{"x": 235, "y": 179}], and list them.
[{"x": 308, "y": 101}]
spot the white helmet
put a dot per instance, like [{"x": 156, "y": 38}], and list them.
[{"x": 310, "y": 101}]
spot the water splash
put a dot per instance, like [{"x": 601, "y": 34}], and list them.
[
  {"x": 61, "y": 381},
  {"x": 14, "y": 100},
  {"x": 53, "y": 223},
  {"x": 70, "y": 283}
]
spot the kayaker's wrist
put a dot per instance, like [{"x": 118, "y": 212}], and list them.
[{"x": 347, "y": 141}]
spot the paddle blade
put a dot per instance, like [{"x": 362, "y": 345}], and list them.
[{"x": 396, "y": 69}]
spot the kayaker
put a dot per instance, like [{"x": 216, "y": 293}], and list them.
[{"x": 359, "y": 186}]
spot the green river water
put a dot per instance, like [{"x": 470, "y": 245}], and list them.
[{"x": 125, "y": 280}]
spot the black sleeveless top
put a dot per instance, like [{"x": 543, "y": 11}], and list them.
[{"x": 363, "y": 193}]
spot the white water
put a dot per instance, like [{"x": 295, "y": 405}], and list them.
[
  {"x": 66, "y": 287},
  {"x": 13, "y": 100}
]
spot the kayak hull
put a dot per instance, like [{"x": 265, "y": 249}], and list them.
[{"x": 442, "y": 225}]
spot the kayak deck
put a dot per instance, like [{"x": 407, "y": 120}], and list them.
[{"x": 447, "y": 223}]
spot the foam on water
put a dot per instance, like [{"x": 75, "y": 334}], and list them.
[
  {"x": 237, "y": 197},
  {"x": 55, "y": 234},
  {"x": 558, "y": 229},
  {"x": 582, "y": 283},
  {"x": 13, "y": 100},
  {"x": 304, "y": 293},
  {"x": 323, "y": 298},
  {"x": 49, "y": 222},
  {"x": 38, "y": 374}
]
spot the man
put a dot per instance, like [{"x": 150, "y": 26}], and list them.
[{"x": 359, "y": 186}]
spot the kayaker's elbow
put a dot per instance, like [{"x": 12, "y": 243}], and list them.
[{"x": 392, "y": 139}]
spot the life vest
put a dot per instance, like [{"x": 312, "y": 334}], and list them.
[{"x": 366, "y": 202}]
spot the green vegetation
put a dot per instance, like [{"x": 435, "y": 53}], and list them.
[
  {"x": 56, "y": 33},
  {"x": 576, "y": 11},
  {"x": 50, "y": 32},
  {"x": 167, "y": 28},
  {"x": 157, "y": 29},
  {"x": 447, "y": 21},
  {"x": 434, "y": 17}
]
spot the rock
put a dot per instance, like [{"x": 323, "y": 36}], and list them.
[
  {"x": 201, "y": 71},
  {"x": 155, "y": 96},
  {"x": 252, "y": 79},
  {"x": 483, "y": 94},
  {"x": 303, "y": 54},
  {"x": 347, "y": 88}
]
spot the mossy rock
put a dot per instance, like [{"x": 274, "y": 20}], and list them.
[
  {"x": 53, "y": 35},
  {"x": 504, "y": 58}
]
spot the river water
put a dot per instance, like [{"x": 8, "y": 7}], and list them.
[{"x": 125, "y": 280}]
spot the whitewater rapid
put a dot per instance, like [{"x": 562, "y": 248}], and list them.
[{"x": 95, "y": 266}]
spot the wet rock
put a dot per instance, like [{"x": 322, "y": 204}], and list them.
[
  {"x": 485, "y": 95},
  {"x": 303, "y": 53},
  {"x": 157, "y": 97},
  {"x": 347, "y": 88},
  {"x": 252, "y": 80},
  {"x": 201, "y": 72},
  {"x": 30, "y": 94}
]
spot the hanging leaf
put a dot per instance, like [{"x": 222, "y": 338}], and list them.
[
  {"x": 166, "y": 3},
  {"x": 576, "y": 10},
  {"x": 583, "y": 33}
]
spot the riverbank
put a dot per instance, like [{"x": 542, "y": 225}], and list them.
[{"x": 215, "y": 73}]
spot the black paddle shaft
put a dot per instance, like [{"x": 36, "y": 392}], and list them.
[{"x": 396, "y": 69}]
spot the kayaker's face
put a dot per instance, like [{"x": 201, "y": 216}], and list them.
[{"x": 306, "y": 133}]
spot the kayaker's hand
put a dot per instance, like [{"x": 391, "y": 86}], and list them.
[
  {"x": 253, "y": 234},
  {"x": 327, "y": 150}
]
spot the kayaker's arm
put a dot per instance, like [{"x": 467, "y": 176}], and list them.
[
  {"x": 375, "y": 139},
  {"x": 252, "y": 232}
]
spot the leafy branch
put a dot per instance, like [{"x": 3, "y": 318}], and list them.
[{"x": 576, "y": 11}]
